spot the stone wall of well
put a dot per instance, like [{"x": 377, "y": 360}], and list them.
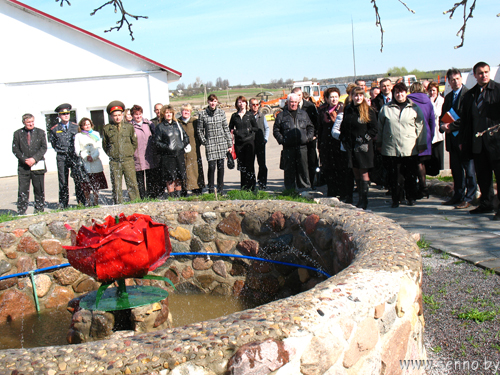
[{"x": 365, "y": 319}]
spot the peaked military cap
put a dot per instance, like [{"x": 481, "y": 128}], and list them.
[
  {"x": 115, "y": 105},
  {"x": 63, "y": 108}
]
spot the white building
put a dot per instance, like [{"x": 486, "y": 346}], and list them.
[{"x": 33, "y": 79}]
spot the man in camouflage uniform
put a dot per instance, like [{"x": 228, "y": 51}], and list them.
[{"x": 119, "y": 143}]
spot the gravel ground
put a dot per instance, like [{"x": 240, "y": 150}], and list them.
[{"x": 460, "y": 345}]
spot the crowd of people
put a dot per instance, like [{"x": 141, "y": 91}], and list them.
[
  {"x": 392, "y": 135},
  {"x": 152, "y": 156},
  {"x": 395, "y": 135}
]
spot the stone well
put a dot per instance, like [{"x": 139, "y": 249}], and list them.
[{"x": 363, "y": 320}]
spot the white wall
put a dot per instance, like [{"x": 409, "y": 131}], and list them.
[{"x": 35, "y": 79}]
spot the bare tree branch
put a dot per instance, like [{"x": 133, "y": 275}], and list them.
[
  {"x": 118, "y": 5},
  {"x": 406, "y": 6},
  {"x": 378, "y": 23},
  {"x": 378, "y": 20},
  {"x": 466, "y": 17}
]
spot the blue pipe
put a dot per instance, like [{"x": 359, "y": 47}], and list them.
[
  {"x": 179, "y": 254},
  {"x": 35, "y": 271},
  {"x": 252, "y": 258}
]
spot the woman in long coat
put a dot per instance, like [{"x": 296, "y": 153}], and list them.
[
  {"x": 194, "y": 166},
  {"x": 214, "y": 134},
  {"x": 420, "y": 98},
  {"x": 146, "y": 159},
  {"x": 357, "y": 132},
  {"x": 244, "y": 128},
  {"x": 171, "y": 140},
  {"x": 333, "y": 160}
]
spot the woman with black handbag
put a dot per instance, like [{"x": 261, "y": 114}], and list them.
[
  {"x": 244, "y": 128},
  {"x": 171, "y": 143}
]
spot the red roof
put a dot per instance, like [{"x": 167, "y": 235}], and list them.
[{"x": 18, "y": 3}]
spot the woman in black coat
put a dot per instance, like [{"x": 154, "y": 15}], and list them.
[
  {"x": 357, "y": 131},
  {"x": 333, "y": 160},
  {"x": 244, "y": 127},
  {"x": 170, "y": 140}
]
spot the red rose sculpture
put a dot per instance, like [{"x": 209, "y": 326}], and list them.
[{"x": 120, "y": 248}]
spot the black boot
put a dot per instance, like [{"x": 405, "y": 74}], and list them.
[
  {"x": 358, "y": 189},
  {"x": 363, "y": 195}
]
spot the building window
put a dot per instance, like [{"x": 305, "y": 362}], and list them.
[
  {"x": 97, "y": 117},
  {"x": 52, "y": 119}
]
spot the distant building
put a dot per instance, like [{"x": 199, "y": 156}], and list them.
[{"x": 34, "y": 79}]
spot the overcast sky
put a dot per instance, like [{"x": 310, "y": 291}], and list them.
[{"x": 262, "y": 40}]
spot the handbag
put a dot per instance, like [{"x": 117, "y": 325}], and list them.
[
  {"x": 282, "y": 161},
  {"x": 230, "y": 160}
]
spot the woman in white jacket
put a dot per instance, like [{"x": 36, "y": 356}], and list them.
[{"x": 88, "y": 146}]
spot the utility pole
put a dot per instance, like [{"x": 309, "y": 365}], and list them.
[{"x": 353, "y": 54}]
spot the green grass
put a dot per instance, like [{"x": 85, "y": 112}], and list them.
[
  {"x": 7, "y": 217},
  {"x": 489, "y": 272},
  {"x": 477, "y": 316},
  {"x": 441, "y": 178},
  {"x": 223, "y": 95},
  {"x": 431, "y": 302},
  {"x": 423, "y": 243},
  {"x": 437, "y": 349},
  {"x": 231, "y": 195}
]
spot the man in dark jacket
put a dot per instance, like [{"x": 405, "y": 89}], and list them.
[
  {"x": 480, "y": 136},
  {"x": 312, "y": 155},
  {"x": 119, "y": 142},
  {"x": 462, "y": 170},
  {"x": 293, "y": 129},
  {"x": 260, "y": 142},
  {"x": 62, "y": 138},
  {"x": 157, "y": 110},
  {"x": 29, "y": 146}
]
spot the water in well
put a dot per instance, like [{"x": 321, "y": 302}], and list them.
[{"x": 50, "y": 327}]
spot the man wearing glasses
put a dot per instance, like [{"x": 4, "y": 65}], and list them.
[
  {"x": 260, "y": 142},
  {"x": 62, "y": 138}
]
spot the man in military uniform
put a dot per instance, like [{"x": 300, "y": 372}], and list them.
[
  {"x": 62, "y": 138},
  {"x": 119, "y": 143}
]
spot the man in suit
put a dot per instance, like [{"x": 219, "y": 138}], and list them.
[
  {"x": 62, "y": 138},
  {"x": 312, "y": 155},
  {"x": 480, "y": 135},
  {"x": 385, "y": 95},
  {"x": 462, "y": 170},
  {"x": 29, "y": 146}
]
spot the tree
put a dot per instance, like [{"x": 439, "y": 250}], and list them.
[
  {"x": 218, "y": 83},
  {"x": 209, "y": 84},
  {"x": 181, "y": 86},
  {"x": 467, "y": 14},
  {"x": 397, "y": 72}
]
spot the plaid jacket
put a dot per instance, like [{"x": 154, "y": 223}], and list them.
[{"x": 214, "y": 134}]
